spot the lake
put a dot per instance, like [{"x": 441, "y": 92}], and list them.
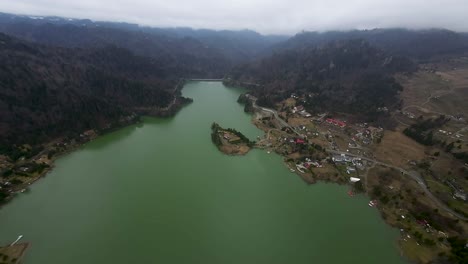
[{"x": 161, "y": 192}]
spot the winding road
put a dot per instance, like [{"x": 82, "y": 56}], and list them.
[{"x": 271, "y": 111}]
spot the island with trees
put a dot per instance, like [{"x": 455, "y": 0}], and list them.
[{"x": 230, "y": 141}]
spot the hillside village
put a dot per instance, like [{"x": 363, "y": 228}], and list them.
[{"x": 331, "y": 147}]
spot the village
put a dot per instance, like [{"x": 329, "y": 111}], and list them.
[
  {"x": 317, "y": 145},
  {"x": 34, "y": 163},
  {"x": 324, "y": 147}
]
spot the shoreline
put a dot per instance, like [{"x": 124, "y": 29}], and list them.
[
  {"x": 309, "y": 179},
  {"x": 179, "y": 103}
]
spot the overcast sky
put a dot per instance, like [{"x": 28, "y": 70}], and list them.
[{"x": 265, "y": 16}]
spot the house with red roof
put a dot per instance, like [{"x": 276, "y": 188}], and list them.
[
  {"x": 336, "y": 122},
  {"x": 300, "y": 141}
]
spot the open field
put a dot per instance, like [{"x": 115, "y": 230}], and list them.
[
  {"x": 446, "y": 167},
  {"x": 397, "y": 149},
  {"x": 441, "y": 91},
  {"x": 297, "y": 121},
  {"x": 420, "y": 86}
]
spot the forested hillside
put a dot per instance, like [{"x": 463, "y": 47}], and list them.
[
  {"x": 183, "y": 57},
  {"x": 47, "y": 92},
  {"x": 349, "y": 76},
  {"x": 62, "y": 76},
  {"x": 417, "y": 44},
  {"x": 184, "y": 51}
]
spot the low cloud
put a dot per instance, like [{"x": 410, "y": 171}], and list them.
[{"x": 265, "y": 16}]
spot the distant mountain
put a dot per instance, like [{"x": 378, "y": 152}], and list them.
[
  {"x": 237, "y": 46},
  {"x": 185, "y": 57},
  {"x": 194, "y": 53},
  {"x": 349, "y": 76},
  {"x": 46, "y": 92},
  {"x": 418, "y": 44}
]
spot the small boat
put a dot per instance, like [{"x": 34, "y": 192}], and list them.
[
  {"x": 354, "y": 179},
  {"x": 291, "y": 170},
  {"x": 16, "y": 241},
  {"x": 268, "y": 152}
]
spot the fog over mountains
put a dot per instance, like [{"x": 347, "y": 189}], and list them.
[{"x": 266, "y": 16}]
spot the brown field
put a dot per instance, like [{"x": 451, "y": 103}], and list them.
[
  {"x": 398, "y": 149},
  {"x": 442, "y": 92},
  {"x": 419, "y": 86},
  {"x": 234, "y": 149},
  {"x": 297, "y": 121},
  {"x": 320, "y": 141},
  {"x": 445, "y": 166}
]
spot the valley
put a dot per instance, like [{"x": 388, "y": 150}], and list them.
[{"x": 336, "y": 137}]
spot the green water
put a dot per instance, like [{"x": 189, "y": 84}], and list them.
[{"x": 160, "y": 192}]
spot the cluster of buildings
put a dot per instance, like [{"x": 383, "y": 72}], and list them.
[
  {"x": 343, "y": 158},
  {"x": 307, "y": 164},
  {"x": 448, "y": 133},
  {"x": 346, "y": 159},
  {"x": 382, "y": 109},
  {"x": 301, "y": 111},
  {"x": 409, "y": 114},
  {"x": 366, "y": 134},
  {"x": 312, "y": 163}
]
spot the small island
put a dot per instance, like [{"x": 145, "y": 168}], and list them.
[{"x": 230, "y": 141}]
